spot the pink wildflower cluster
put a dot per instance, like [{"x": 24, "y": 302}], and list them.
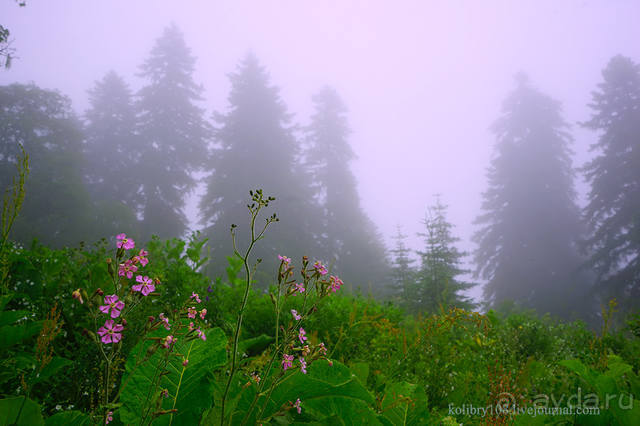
[
  {"x": 320, "y": 268},
  {"x": 296, "y": 405},
  {"x": 110, "y": 332},
  {"x": 335, "y": 283}
]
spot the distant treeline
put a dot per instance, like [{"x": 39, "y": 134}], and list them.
[{"x": 128, "y": 163}]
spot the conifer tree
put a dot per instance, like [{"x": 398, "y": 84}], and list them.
[
  {"x": 530, "y": 226},
  {"x": 57, "y": 209},
  {"x": 349, "y": 238},
  {"x": 173, "y": 134},
  {"x": 403, "y": 273},
  {"x": 112, "y": 154},
  {"x": 613, "y": 210},
  {"x": 438, "y": 285},
  {"x": 256, "y": 148}
]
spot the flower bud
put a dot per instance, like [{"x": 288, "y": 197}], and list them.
[{"x": 77, "y": 295}]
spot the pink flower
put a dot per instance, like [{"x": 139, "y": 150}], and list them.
[
  {"x": 195, "y": 296},
  {"x": 287, "y": 361},
  {"x": 298, "y": 288},
  {"x": 146, "y": 285},
  {"x": 306, "y": 350},
  {"x": 127, "y": 268},
  {"x": 201, "y": 334},
  {"x": 110, "y": 333},
  {"x": 322, "y": 349},
  {"x": 124, "y": 242},
  {"x": 165, "y": 393},
  {"x": 165, "y": 320},
  {"x": 284, "y": 259},
  {"x": 255, "y": 377},
  {"x": 108, "y": 418},
  {"x": 295, "y": 315},
  {"x": 112, "y": 304},
  {"x": 301, "y": 335},
  {"x": 168, "y": 341},
  {"x": 335, "y": 283},
  {"x": 191, "y": 326},
  {"x": 203, "y": 313},
  {"x": 76, "y": 295},
  {"x": 191, "y": 312},
  {"x": 296, "y": 405},
  {"x": 303, "y": 365},
  {"x": 185, "y": 362},
  {"x": 322, "y": 270}
]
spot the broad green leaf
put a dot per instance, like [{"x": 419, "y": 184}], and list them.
[
  {"x": 9, "y": 317},
  {"x": 361, "y": 371},
  {"x": 190, "y": 387},
  {"x": 69, "y": 418},
  {"x": 405, "y": 404},
  {"x": 13, "y": 334},
  {"x": 325, "y": 384},
  {"x": 4, "y": 300},
  {"x": 254, "y": 345},
  {"x": 28, "y": 410}
]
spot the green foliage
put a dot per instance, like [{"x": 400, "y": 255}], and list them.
[
  {"x": 20, "y": 411},
  {"x": 189, "y": 388},
  {"x": 612, "y": 211}
]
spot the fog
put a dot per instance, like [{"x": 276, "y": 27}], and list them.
[{"x": 422, "y": 80}]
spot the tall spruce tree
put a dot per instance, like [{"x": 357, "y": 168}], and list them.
[
  {"x": 613, "y": 210},
  {"x": 173, "y": 134},
  {"x": 438, "y": 285},
  {"x": 255, "y": 148},
  {"x": 112, "y": 154},
  {"x": 57, "y": 209},
  {"x": 530, "y": 225},
  {"x": 349, "y": 238},
  {"x": 403, "y": 273}
]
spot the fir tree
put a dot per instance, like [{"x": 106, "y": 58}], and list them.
[
  {"x": 438, "y": 286},
  {"x": 57, "y": 209},
  {"x": 613, "y": 210},
  {"x": 256, "y": 148},
  {"x": 112, "y": 154},
  {"x": 349, "y": 238},
  {"x": 530, "y": 225},
  {"x": 403, "y": 273},
  {"x": 173, "y": 134}
]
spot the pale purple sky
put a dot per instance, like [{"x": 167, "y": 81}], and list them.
[{"x": 423, "y": 79}]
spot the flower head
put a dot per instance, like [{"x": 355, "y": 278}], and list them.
[
  {"x": 201, "y": 334},
  {"x": 110, "y": 332},
  {"x": 335, "y": 283},
  {"x": 196, "y": 297},
  {"x": 298, "y": 288},
  {"x": 287, "y": 361},
  {"x": 168, "y": 341},
  {"x": 108, "y": 418},
  {"x": 285, "y": 260},
  {"x": 203, "y": 313},
  {"x": 302, "y": 335},
  {"x": 303, "y": 365},
  {"x": 112, "y": 304},
  {"x": 145, "y": 285},
  {"x": 191, "y": 312},
  {"x": 141, "y": 258},
  {"x": 185, "y": 362},
  {"x": 77, "y": 295},
  {"x": 297, "y": 404},
  {"x": 322, "y": 349},
  {"x": 295, "y": 315},
  {"x": 165, "y": 320},
  {"x": 320, "y": 268},
  {"x": 124, "y": 242},
  {"x": 127, "y": 269}
]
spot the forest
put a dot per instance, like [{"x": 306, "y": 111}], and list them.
[{"x": 283, "y": 302}]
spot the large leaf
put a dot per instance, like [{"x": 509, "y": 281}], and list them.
[
  {"x": 190, "y": 387},
  {"x": 69, "y": 418},
  {"x": 51, "y": 369},
  {"x": 13, "y": 334},
  {"x": 28, "y": 410},
  {"x": 405, "y": 404},
  {"x": 9, "y": 317},
  {"x": 324, "y": 386}
]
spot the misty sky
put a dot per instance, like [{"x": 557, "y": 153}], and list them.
[{"x": 423, "y": 80}]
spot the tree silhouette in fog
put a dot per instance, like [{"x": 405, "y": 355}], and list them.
[
  {"x": 57, "y": 209},
  {"x": 173, "y": 134},
  {"x": 348, "y": 237},
  {"x": 530, "y": 224},
  {"x": 254, "y": 148},
  {"x": 613, "y": 210},
  {"x": 112, "y": 154}
]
